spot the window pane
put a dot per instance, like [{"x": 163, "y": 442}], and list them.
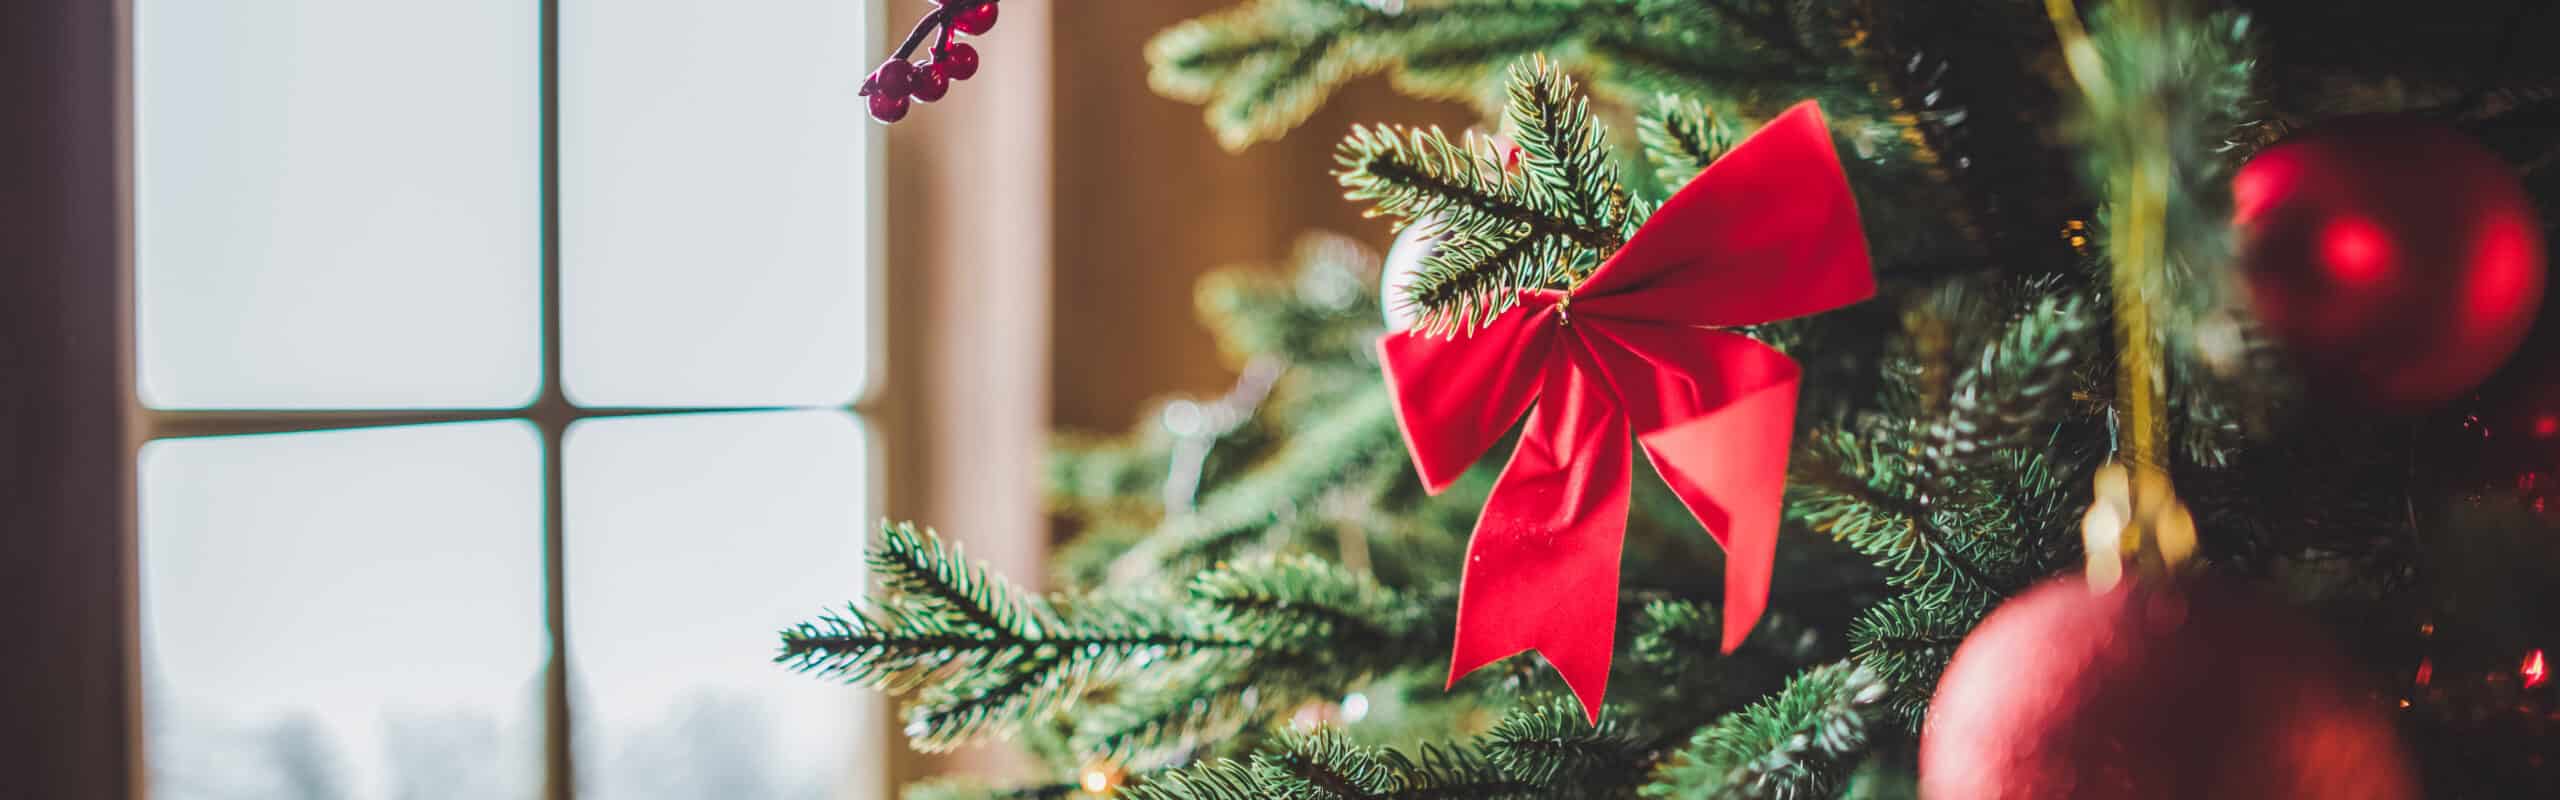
[
  {"x": 713, "y": 205},
  {"x": 337, "y": 203},
  {"x": 351, "y": 614},
  {"x": 692, "y": 540}
]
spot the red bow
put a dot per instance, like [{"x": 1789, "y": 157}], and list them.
[{"x": 1768, "y": 232}]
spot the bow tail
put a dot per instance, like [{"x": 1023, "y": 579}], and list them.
[
  {"x": 1542, "y": 567},
  {"x": 1733, "y": 462},
  {"x": 1715, "y": 412}
]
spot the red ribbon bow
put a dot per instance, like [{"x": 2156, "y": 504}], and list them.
[{"x": 1767, "y": 232}]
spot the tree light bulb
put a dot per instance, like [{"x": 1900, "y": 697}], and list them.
[
  {"x": 1099, "y": 780},
  {"x": 2534, "y": 671}
]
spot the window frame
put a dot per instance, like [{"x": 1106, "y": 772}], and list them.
[{"x": 551, "y": 413}]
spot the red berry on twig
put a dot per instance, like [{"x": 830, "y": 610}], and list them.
[
  {"x": 958, "y": 62},
  {"x": 930, "y": 84},
  {"x": 886, "y": 107},
  {"x": 894, "y": 79},
  {"x": 976, "y": 21}
]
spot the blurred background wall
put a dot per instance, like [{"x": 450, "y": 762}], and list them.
[{"x": 1146, "y": 202}]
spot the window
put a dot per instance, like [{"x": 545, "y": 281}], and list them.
[{"x": 504, "y": 366}]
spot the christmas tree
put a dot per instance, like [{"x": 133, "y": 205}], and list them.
[{"x": 2203, "y": 332}]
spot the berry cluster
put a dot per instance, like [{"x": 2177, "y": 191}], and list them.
[{"x": 892, "y": 85}]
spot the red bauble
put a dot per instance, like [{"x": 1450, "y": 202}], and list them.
[
  {"x": 2152, "y": 690},
  {"x": 2397, "y": 259}
]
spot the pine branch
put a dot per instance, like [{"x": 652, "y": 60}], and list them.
[
  {"x": 2014, "y": 393},
  {"x": 1262, "y": 67},
  {"x": 1564, "y": 151},
  {"x": 1551, "y": 744},
  {"x": 1322, "y": 313},
  {"x": 1673, "y": 632},
  {"x": 1863, "y": 494},
  {"x": 1499, "y": 231},
  {"x": 941, "y": 580},
  {"x": 1908, "y": 643},
  {"x": 1340, "y": 449},
  {"x": 1301, "y": 599},
  {"x": 1799, "y": 743},
  {"x": 1327, "y": 766},
  {"x": 1316, "y": 630},
  {"x": 1680, "y": 137},
  {"x": 987, "y": 658}
]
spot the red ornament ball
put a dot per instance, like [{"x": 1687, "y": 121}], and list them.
[
  {"x": 2398, "y": 260},
  {"x": 958, "y": 61},
  {"x": 976, "y": 21},
  {"x": 887, "y": 107},
  {"x": 2153, "y": 689}
]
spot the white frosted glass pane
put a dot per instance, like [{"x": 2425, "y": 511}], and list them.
[
  {"x": 337, "y": 203},
  {"x": 691, "y": 541},
  {"x": 713, "y": 201},
  {"x": 351, "y": 614}
]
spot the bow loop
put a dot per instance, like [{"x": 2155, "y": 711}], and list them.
[
  {"x": 1447, "y": 431},
  {"x": 1768, "y": 232}
]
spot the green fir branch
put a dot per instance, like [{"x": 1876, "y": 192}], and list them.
[
  {"x": 1277, "y": 497},
  {"x": 1565, "y": 152},
  {"x": 1672, "y": 633},
  {"x": 986, "y": 658},
  {"x": 1316, "y": 630},
  {"x": 1499, "y": 230},
  {"x": 1551, "y": 744},
  {"x": 1680, "y": 137},
  {"x": 1322, "y": 312},
  {"x": 1802, "y": 742},
  {"x": 1869, "y": 497},
  {"x": 1327, "y": 766},
  {"x": 2014, "y": 393},
  {"x": 1263, "y": 66},
  {"x": 1908, "y": 643}
]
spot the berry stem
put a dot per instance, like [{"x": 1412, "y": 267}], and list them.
[{"x": 937, "y": 19}]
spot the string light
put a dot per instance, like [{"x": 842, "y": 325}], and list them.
[
  {"x": 2534, "y": 671},
  {"x": 1101, "y": 779},
  {"x": 2076, "y": 234}
]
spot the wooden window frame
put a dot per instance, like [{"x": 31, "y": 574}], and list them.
[{"x": 959, "y": 392}]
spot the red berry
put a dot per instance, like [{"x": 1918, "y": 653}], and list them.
[
  {"x": 931, "y": 83},
  {"x": 958, "y": 61},
  {"x": 976, "y": 21},
  {"x": 888, "y": 107},
  {"x": 894, "y": 79}
]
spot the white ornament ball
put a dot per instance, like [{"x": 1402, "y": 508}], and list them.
[{"x": 1403, "y": 264}]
